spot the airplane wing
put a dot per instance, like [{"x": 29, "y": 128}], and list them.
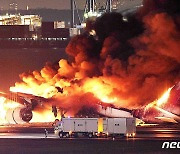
[
  {"x": 166, "y": 119},
  {"x": 27, "y": 99}
]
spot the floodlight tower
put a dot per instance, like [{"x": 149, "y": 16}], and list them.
[
  {"x": 91, "y": 10},
  {"x": 74, "y": 8},
  {"x": 91, "y": 5}
]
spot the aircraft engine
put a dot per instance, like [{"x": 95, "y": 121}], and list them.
[{"x": 18, "y": 115}]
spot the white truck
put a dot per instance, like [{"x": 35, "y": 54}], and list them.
[
  {"x": 91, "y": 127},
  {"x": 119, "y": 127}
]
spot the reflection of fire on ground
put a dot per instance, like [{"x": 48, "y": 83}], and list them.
[{"x": 127, "y": 64}]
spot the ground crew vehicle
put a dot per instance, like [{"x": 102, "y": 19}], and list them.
[{"x": 91, "y": 127}]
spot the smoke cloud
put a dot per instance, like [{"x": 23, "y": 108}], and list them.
[{"x": 128, "y": 64}]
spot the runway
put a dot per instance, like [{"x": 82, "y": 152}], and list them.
[
  {"x": 37, "y": 131},
  {"x": 84, "y": 146},
  {"x": 32, "y": 140}
]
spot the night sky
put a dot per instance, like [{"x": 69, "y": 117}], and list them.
[
  {"x": 55, "y": 4},
  {"x": 13, "y": 62}
]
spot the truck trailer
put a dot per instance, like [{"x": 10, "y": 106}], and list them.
[
  {"x": 119, "y": 126},
  {"x": 94, "y": 127}
]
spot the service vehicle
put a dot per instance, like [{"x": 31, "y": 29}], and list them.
[{"x": 94, "y": 127}]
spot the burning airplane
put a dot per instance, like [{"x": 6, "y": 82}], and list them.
[
  {"x": 159, "y": 111},
  {"x": 117, "y": 71}
]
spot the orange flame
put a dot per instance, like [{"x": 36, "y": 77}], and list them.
[
  {"x": 4, "y": 106},
  {"x": 162, "y": 100},
  {"x": 99, "y": 89},
  {"x": 45, "y": 116}
]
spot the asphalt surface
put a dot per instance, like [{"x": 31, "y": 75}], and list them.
[
  {"x": 31, "y": 139},
  {"x": 87, "y": 146}
]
